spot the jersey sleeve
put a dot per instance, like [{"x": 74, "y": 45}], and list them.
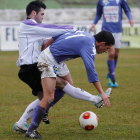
[
  {"x": 88, "y": 57},
  {"x": 126, "y": 9},
  {"x": 98, "y": 13},
  {"x": 40, "y": 31}
]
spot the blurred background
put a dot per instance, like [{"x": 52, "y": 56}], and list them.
[
  {"x": 51, "y": 4},
  {"x": 79, "y": 13}
]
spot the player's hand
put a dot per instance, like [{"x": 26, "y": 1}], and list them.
[
  {"x": 106, "y": 99},
  {"x": 131, "y": 22},
  {"x": 43, "y": 47},
  {"x": 92, "y": 27}
]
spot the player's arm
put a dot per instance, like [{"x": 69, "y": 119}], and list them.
[
  {"x": 102, "y": 94},
  {"x": 127, "y": 12},
  {"x": 97, "y": 17},
  {"x": 48, "y": 43},
  {"x": 88, "y": 56},
  {"x": 41, "y": 31}
]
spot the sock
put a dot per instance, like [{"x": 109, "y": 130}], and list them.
[
  {"x": 38, "y": 115},
  {"x": 80, "y": 94},
  {"x": 111, "y": 69},
  {"x": 115, "y": 63},
  {"x": 28, "y": 114},
  {"x": 57, "y": 96}
]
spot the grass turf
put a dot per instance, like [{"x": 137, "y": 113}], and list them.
[{"x": 121, "y": 121}]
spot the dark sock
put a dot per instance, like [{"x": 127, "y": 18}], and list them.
[{"x": 115, "y": 63}]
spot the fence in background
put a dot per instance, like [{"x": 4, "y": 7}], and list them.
[{"x": 9, "y": 34}]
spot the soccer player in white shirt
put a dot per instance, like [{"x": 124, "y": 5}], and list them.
[{"x": 32, "y": 35}]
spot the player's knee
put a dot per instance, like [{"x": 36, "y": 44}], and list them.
[
  {"x": 50, "y": 99},
  {"x": 111, "y": 55}
]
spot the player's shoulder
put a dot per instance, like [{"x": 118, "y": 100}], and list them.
[{"x": 29, "y": 22}]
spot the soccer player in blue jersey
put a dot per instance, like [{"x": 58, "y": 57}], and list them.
[
  {"x": 112, "y": 22},
  {"x": 68, "y": 46}
]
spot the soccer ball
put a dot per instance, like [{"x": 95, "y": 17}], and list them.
[{"x": 88, "y": 120}]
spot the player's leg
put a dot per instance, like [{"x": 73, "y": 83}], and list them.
[
  {"x": 48, "y": 85},
  {"x": 78, "y": 93},
  {"x": 111, "y": 73},
  {"x": 117, "y": 47},
  {"x": 33, "y": 79},
  {"x": 63, "y": 81},
  {"x": 64, "y": 72},
  {"x": 47, "y": 67},
  {"x": 116, "y": 57},
  {"x": 74, "y": 92},
  {"x": 111, "y": 78},
  {"x": 59, "y": 93},
  {"x": 21, "y": 126},
  {"x": 110, "y": 63},
  {"x": 31, "y": 76}
]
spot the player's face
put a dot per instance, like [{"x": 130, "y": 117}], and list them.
[
  {"x": 39, "y": 16},
  {"x": 103, "y": 49}
]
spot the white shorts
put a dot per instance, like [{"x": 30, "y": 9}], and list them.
[
  {"x": 117, "y": 37},
  {"x": 48, "y": 66}
]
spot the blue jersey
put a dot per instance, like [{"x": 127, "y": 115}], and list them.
[
  {"x": 76, "y": 44},
  {"x": 112, "y": 14}
]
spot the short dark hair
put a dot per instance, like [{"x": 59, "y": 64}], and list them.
[
  {"x": 34, "y": 5},
  {"x": 105, "y": 36}
]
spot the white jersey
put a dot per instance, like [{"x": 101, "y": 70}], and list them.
[{"x": 31, "y": 37}]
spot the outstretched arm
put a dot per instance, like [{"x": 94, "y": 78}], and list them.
[{"x": 102, "y": 94}]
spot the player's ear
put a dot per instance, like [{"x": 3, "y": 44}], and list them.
[
  {"x": 102, "y": 43},
  {"x": 33, "y": 13}
]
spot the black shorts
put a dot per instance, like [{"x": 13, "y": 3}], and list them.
[{"x": 32, "y": 77}]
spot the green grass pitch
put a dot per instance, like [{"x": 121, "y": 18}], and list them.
[{"x": 120, "y": 122}]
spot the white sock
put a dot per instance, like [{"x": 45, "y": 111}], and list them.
[
  {"x": 28, "y": 114},
  {"x": 80, "y": 94}
]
